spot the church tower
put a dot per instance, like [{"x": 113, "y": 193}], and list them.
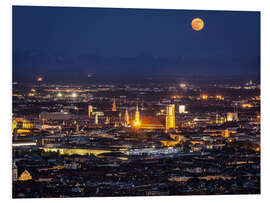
[
  {"x": 126, "y": 117},
  {"x": 114, "y": 105},
  {"x": 137, "y": 121}
]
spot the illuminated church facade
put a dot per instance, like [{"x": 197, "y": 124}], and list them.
[{"x": 155, "y": 123}]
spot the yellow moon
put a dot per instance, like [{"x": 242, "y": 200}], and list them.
[{"x": 197, "y": 24}]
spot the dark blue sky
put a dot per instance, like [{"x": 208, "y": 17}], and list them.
[{"x": 64, "y": 42}]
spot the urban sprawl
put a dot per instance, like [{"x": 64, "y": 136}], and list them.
[{"x": 135, "y": 139}]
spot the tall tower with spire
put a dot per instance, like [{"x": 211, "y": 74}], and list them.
[
  {"x": 126, "y": 117},
  {"x": 137, "y": 121},
  {"x": 114, "y": 105}
]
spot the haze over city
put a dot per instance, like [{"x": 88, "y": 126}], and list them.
[{"x": 70, "y": 43}]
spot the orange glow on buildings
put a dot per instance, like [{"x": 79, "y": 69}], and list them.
[
  {"x": 247, "y": 105},
  {"x": 219, "y": 97},
  {"x": 137, "y": 124},
  {"x": 258, "y": 117},
  {"x": 25, "y": 176},
  {"x": 204, "y": 96},
  {"x": 169, "y": 143},
  {"x": 196, "y": 142},
  {"x": 152, "y": 123},
  {"x": 176, "y": 96},
  {"x": 176, "y": 139},
  {"x": 170, "y": 117},
  {"x": 31, "y": 95},
  {"x": 225, "y": 133},
  {"x": 90, "y": 110},
  {"x": 27, "y": 124},
  {"x": 40, "y": 79}
]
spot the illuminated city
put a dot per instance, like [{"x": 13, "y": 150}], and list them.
[{"x": 109, "y": 133}]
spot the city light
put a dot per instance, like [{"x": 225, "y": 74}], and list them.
[
  {"x": 258, "y": 117},
  {"x": 148, "y": 130},
  {"x": 232, "y": 116},
  {"x": 183, "y": 85},
  {"x": 74, "y": 95},
  {"x": 176, "y": 96},
  {"x": 204, "y": 96},
  {"x": 247, "y": 105},
  {"x": 219, "y": 97},
  {"x": 137, "y": 124},
  {"x": 182, "y": 109},
  {"x": 170, "y": 117}
]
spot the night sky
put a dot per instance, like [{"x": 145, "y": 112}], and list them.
[{"x": 65, "y": 43}]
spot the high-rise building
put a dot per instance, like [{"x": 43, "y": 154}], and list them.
[
  {"x": 225, "y": 133},
  {"x": 90, "y": 110},
  {"x": 96, "y": 119},
  {"x": 232, "y": 116},
  {"x": 137, "y": 121},
  {"x": 219, "y": 119},
  {"x": 27, "y": 124},
  {"x": 107, "y": 121},
  {"x": 182, "y": 109},
  {"x": 114, "y": 105},
  {"x": 170, "y": 116}
]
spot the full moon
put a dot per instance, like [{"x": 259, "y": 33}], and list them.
[{"x": 197, "y": 24}]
